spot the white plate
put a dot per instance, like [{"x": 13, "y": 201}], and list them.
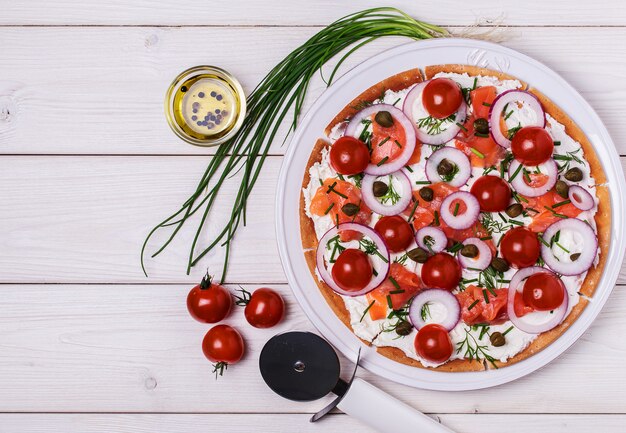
[{"x": 370, "y": 72}]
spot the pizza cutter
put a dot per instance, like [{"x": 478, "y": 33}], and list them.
[{"x": 302, "y": 366}]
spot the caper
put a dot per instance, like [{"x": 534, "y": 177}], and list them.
[
  {"x": 574, "y": 257},
  {"x": 574, "y": 174},
  {"x": 404, "y": 328},
  {"x": 514, "y": 210},
  {"x": 499, "y": 264},
  {"x": 350, "y": 209},
  {"x": 470, "y": 251},
  {"x": 497, "y": 339},
  {"x": 418, "y": 255},
  {"x": 426, "y": 193},
  {"x": 445, "y": 167},
  {"x": 380, "y": 188},
  {"x": 561, "y": 188},
  {"x": 384, "y": 119},
  {"x": 481, "y": 126}
]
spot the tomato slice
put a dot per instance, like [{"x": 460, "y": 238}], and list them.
[
  {"x": 352, "y": 270},
  {"x": 493, "y": 193},
  {"x": 474, "y": 308},
  {"x": 433, "y": 343},
  {"x": 332, "y": 196},
  {"x": 532, "y": 145},
  {"x": 543, "y": 291},
  {"x": 349, "y": 155},
  {"x": 520, "y": 247},
  {"x": 442, "y": 271},
  {"x": 442, "y": 97},
  {"x": 407, "y": 280},
  {"x": 395, "y": 231}
]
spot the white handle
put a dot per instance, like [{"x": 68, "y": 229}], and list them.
[{"x": 381, "y": 411}]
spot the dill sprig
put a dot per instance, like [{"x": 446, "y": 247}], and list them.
[
  {"x": 472, "y": 349},
  {"x": 492, "y": 225},
  {"x": 391, "y": 194},
  {"x": 281, "y": 92},
  {"x": 433, "y": 125},
  {"x": 369, "y": 247}
]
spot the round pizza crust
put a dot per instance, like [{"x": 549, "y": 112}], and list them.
[{"x": 602, "y": 218}]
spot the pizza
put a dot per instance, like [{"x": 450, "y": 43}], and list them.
[{"x": 455, "y": 218}]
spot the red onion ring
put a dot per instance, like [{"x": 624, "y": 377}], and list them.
[
  {"x": 367, "y": 193},
  {"x": 440, "y": 296},
  {"x": 563, "y": 264},
  {"x": 516, "y": 285},
  {"x": 467, "y": 218},
  {"x": 440, "y": 240},
  {"x": 365, "y": 231},
  {"x": 409, "y": 133},
  {"x": 519, "y": 184},
  {"x": 482, "y": 260},
  {"x": 453, "y": 155},
  {"x": 580, "y": 197},
  {"x": 512, "y": 96},
  {"x": 413, "y": 97}
]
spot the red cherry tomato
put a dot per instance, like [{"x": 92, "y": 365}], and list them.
[
  {"x": 433, "y": 343},
  {"x": 264, "y": 309},
  {"x": 543, "y": 291},
  {"x": 442, "y": 97},
  {"x": 493, "y": 193},
  {"x": 442, "y": 271},
  {"x": 208, "y": 302},
  {"x": 395, "y": 231},
  {"x": 352, "y": 270},
  {"x": 520, "y": 247},
  {"x": 224, "y": 346},
  {"x": 532, "y": 145},
  {"x": 349, "y": 155}
]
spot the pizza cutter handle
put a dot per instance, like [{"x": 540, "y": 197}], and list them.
[{"x": 384, "y": 413}]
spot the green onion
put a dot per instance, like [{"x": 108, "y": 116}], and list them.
[
  {"x": 283, "y": 89},
  {"x": 366, "y": 310},
  {"x": 477, "y": 153},
  {"x": 473, "y": 304}
]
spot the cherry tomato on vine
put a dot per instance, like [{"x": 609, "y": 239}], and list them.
[
  {"x": 208, "y": 302},
  {"x": 543, "y": 291},
  {"x": 442, "y": 271},
  {"x": 433, "y": 343},
  {"x": 349, "y": 155},
  {"x": 224, "y": 346},
  {"x": 264, "y": 307},
  {"x": 352, "y": 270},
  {"x": 442, "y": 97},
  {"x": 532, "y": 145},
  {"x": 492, "y": 192},
  {"x": 520, "y": 247},
  {"x": 395, "y": 231}
]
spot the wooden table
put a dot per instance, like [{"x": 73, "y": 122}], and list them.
[{"x": 88, "y": 165}]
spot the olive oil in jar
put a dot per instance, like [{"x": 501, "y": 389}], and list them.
[{"x": 205, "y": 105}]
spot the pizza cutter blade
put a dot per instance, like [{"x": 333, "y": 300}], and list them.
[{"x": 302, "y": 366}]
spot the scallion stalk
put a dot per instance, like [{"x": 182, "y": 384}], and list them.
[{"x": 282, "y": 89}]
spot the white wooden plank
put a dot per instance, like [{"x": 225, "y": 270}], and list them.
[
  {"x": 275, "y": 12},
  {"x": 84, "y": 219},
  {"x": 100, "y": 90},
  {"x": 95, "y": 348},
  {"x": 230, "y": 423},
  {"x": 87, "y": 217}
]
